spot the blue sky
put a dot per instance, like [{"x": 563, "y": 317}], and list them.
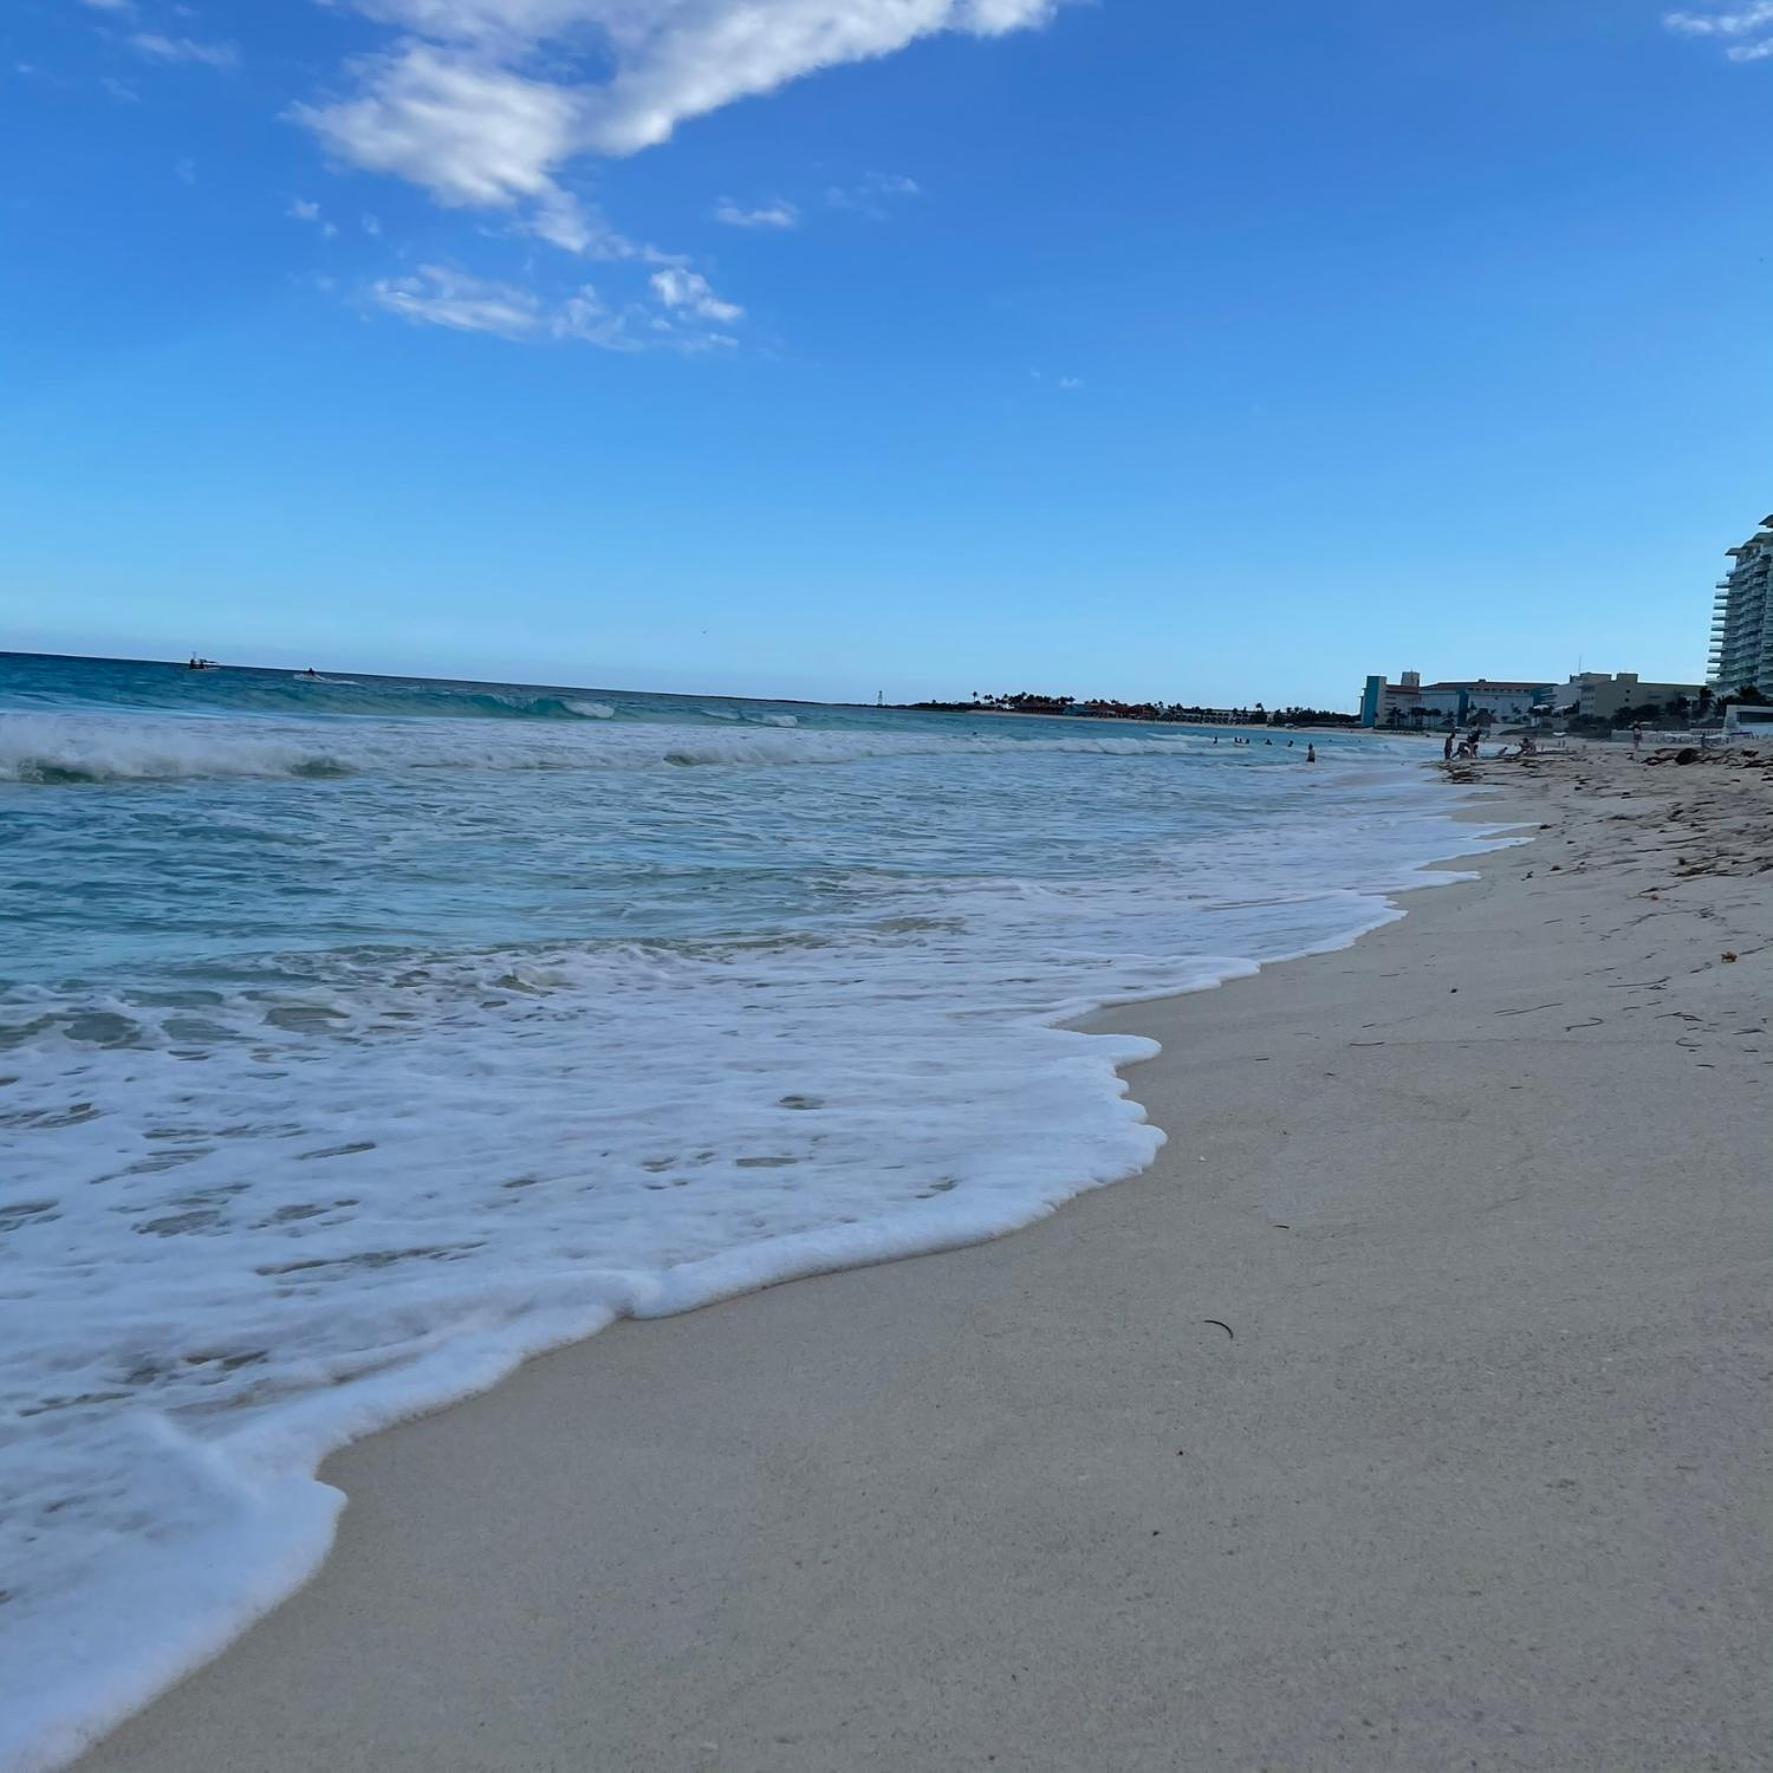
[{"x": 816, "y": 347}]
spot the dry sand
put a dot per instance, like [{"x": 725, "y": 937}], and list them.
[{"x": 1473, "y": 1477}]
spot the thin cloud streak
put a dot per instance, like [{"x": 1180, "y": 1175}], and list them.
[
  {"x": 1744, "y": 21},
  {"x": 185, "y": 49},
  {"x": 1721, "y": 24},
  {"x": 440, "y": 296},
  {"x": 776, "y": 214}
]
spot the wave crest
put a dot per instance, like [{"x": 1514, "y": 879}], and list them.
[
  {"x": 57, "y": 749},
  {"x": 61, "y": 749}
]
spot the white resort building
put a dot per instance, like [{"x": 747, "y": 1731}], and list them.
[
  {"x": 1412, "y": 704},
  {"x": 1742, "y": 617}
]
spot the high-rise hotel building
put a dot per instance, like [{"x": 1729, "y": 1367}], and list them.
[{"x": 1742, "y": 617}]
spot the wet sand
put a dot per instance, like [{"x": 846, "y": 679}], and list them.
[{"x": 1410, "y": 1412}]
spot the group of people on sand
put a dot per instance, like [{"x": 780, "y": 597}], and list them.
[{"x": 1466, "y": 749}]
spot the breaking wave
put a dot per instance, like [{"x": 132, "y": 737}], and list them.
[
  {"x": 55, "y": 749},
  {"x": 59, "y": 749}
]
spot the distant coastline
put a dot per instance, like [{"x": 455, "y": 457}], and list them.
[
  {"x": 1251, "y": 725},
  {"x": 1051, "y": 707}
]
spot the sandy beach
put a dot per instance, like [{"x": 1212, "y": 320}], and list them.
[{"x": 1409, "y": 1412}]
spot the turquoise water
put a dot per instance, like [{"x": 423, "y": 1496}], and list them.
[
  {"x": 360, "y": 1036},
  {"x": 562, "y": 809}
]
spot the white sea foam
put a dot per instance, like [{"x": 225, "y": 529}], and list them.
[
  {"x": 59, "y": 748},
  {"x": 249, "y": 1214},
  {"x": 62, "y": 748}
]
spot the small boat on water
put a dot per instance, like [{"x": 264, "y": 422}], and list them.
[{"x": 197, "y": 664}]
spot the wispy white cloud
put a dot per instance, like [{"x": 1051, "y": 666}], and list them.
[
  {"x": 185, "y": 49},
  {"x": 679, "y": 59},
  {"x": 690, "y": 291},
  {"x": 871, "y": 195},
  {"x": 566, "y": 220},
  {"x": 439, "y": 296},
  {"x": 1722, "y": 24},
  {"x": 562, "y": 220},
  {"x": 457, "y": 105},
  {"x": 492, "y": 105},
  {"x": 185, "y": 170},
  {"x": 776, "y": 214},
  {"x": 302, "y": 210},
  {"x": 473, "y": 134},
  {"x": 583, "y": 318},
  {"x": 110, "y": 5},
  {"x": 1731, "y": 25}
]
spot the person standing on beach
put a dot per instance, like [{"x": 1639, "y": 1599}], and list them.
[{"x": 1447, "y": 749}]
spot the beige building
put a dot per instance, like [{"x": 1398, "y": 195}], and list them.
[{"x": 1595, "y": 695}]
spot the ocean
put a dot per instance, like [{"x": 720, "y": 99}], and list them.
[{"x": 360, "y": 1036}]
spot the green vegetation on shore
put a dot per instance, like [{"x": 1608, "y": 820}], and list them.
[{"x": 1098, "y": 708}]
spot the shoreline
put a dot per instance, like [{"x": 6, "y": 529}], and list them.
[
  {"x": 171, "y": 1615},
  {"x": 398, "y": 1555}
]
